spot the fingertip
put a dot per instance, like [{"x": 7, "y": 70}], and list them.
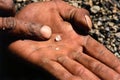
[
  {"x": 88, "y": 21},
  {"x": 82, "y": 19},
  {"x": 46, "y": 31}
]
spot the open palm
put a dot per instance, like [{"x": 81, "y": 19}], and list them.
[{"x": 67, "y": 55}]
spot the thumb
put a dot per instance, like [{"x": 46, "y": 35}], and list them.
[
  {"x": 20, "y": 28},
  {"x": 78, "y": 16}
]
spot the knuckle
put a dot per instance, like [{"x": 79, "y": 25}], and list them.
[
  {"x": 40, "y": 61},
  {"x": 99, "y": 48},
  {"x": 77, "y": 55},
  {"x": 116, "y": 77},
  {"x": 95, "y": 66},
  {"x": 116, "y": 64},
  {"x": 74, "y": 78},
  {"x": 87, "y": 39},
  {"x": 66, "y": 76},
  {"x": 45, "y": 60},
  {"x": 55, "y": 67},
  {"x": 79, "y": 70},
  {"x": 101, "y": 51},
  {"x": 62, "y": 60},
  {"x": 8, "y": 23},
  {"x": 32, "y": 28}
]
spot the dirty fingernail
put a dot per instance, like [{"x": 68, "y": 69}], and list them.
[
  {"x": 89, "y": 22},
  {"x": 46, "y": 31}
]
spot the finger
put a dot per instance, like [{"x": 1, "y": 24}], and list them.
[
  {"x": 97, "y": 67},
  {"x": 30, "y": 53},
  {"x": 79, "y": 16},
  {"x": 77, "y": 69},
  {"x": 98, "y": 51},
  {"x": 7, "y": 6},
  {"x": 25, "y": 29},
  {"x": 57, "y": 70}
]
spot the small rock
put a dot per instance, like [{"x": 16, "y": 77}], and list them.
[
  {"x": 100, "y": 40},
  {"x": 99, "y": 23},
  {"x": 58, "y": 38},
  {"x": 75, "y": 4},
  {"x": 19, "y": 0},
  {"x": 114, "y": 28},
  {"x": 95, "y": 9},
  {"x": 107, "y": 28},
  {"x": 117, "y": 35},
  {"x": 57, "y": 48},
  {"x": 24, "y": 0},
  {"x": 95, "y": 26},
  {"x": 111, "y": 24},
  {"x": 116, "y": 54},
  {"x": 115, "y": 17},
  {"x": 117, "y": 43}
]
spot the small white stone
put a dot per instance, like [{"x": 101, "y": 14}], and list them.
[
  {"x": 95, "y": 9},
  {"x": 57, "y": 48},
  {"x": 58, "y": 38},
  {"x": 19, "y": 0}
]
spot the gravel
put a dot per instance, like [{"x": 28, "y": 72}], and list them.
[
  {"x": 95, "y": 9},
  {"x": 105, "y": 15}
]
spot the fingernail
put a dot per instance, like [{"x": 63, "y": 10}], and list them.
[
  {"x": 46, "y": 31},
  {"x": 89, "y": 22},
  {"x": 61, "y": 59}
]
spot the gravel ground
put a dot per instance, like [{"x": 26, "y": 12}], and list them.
[{"x": 105, "y": 16}]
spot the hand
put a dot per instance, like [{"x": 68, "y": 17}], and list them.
[
  {"x": 25, "y": 29},
  {"x": 20, "y": 28},
  {"x": 7, "y": 6},
  {"x": 67, "y": 55}
]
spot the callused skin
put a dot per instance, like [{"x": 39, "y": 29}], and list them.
[
  {"x": 72, "y": 56},
  {"x": 19, "y": 28},
  {"x": 7, "y": 8},
  {"x": 24, "y": 29}
]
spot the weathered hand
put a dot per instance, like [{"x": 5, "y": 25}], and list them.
[
  {"x": 18, "y": 27},
  {"x": 25, "y": 29},
  {"x": 67, "y": 55},
  {"x": 7, "y": 8}
]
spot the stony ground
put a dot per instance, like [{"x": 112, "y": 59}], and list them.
[{"x": 105, "y": 16}]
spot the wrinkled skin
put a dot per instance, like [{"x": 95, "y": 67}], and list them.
[
  {"x": 19, "y": 28},
  {"x": 7, "y": 6},
  {"x": 75, "y": 57}
]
